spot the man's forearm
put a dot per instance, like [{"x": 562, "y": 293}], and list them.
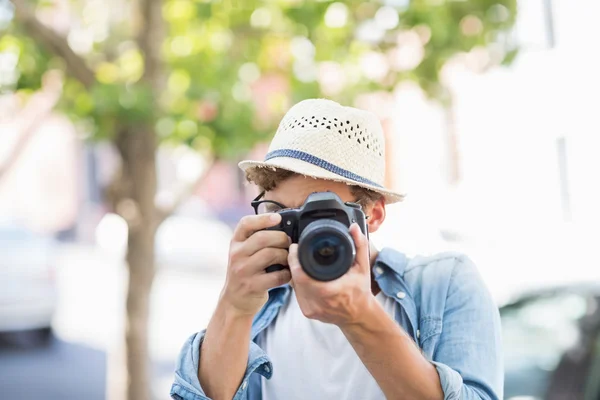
[
  {"x": 391, "y": 356},
  {"x": 224, "y": 353}
]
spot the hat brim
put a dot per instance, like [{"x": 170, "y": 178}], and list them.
[{"x": 307, "y": 169}]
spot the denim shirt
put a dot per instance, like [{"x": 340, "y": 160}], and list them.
[{"x": 442, "y": 303}]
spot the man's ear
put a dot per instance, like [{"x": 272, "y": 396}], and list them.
[{"x": 376, "y": 214}]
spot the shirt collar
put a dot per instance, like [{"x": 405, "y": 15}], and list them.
[
  {"x": 389, "y": 269},
  {"x": 392, "y": 259}
]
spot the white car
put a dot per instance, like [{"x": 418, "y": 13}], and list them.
[{"x": 28, "y": 293}]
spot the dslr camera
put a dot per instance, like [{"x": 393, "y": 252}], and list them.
[{"x": 321, "y": 228}]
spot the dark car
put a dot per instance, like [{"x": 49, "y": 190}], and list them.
[{"x": 552, "y": 344}]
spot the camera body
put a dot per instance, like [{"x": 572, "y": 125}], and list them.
[{"x": 321, "y": 228}]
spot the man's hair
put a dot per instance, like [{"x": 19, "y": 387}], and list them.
[{"x": 268, "y": 179}]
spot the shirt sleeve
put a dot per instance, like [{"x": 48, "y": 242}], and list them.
[
  {"x": 468, "y": 357},
  {"x": 187, "y": 385}
]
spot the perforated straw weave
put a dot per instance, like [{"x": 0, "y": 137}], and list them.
[{"x": 322, "y": 139}]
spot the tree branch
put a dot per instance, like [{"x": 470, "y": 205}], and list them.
[
  {"x": 31, "y": 116},
  {"x": 54, "y": 43},
  {"x": 182, "y": 194}
]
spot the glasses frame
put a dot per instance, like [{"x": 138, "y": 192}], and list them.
[{"x": 257, "y": 202}]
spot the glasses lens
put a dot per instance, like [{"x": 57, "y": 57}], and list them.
[{"x": 267, "y": 207}]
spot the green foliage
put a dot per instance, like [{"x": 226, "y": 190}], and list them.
[
  {"x": 32, "y": 62},
  {"x": 233, "y": 67}
]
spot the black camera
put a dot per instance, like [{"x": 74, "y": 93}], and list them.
[{"x": 321, "y": 228}]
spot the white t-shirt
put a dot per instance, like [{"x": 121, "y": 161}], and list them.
[{"x": 314, "y": 360}]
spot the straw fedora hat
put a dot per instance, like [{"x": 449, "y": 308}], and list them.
[{"x": 322, "y": 139}]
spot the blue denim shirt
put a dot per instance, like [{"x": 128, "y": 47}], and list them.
[{"x": 443, "y": 304}]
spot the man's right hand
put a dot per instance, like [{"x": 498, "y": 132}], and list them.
[
  {"x": 226, "y": 342},
  {"x": 253, "y": 249}
]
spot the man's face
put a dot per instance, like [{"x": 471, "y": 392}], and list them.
[{"x": 293, "y": 191}]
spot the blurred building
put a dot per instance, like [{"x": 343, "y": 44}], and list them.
[
  {"x": 525, "y": 202},
  {"x": 39, "y": 180}
]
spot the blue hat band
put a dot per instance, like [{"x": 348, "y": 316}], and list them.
[{"x": 319, "y": 162}]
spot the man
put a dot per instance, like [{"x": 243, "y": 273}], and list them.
[{"x": 424, "y": 328}]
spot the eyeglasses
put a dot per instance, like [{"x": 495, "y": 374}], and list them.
[
  {"x": 269, "y": 206},
  {"x": 266, "y": 206}
]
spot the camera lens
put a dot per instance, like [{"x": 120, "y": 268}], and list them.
[{"x": 326, "y": 249}]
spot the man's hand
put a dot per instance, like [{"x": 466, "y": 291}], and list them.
[
  {"x": 252, "y": 250},
  {"x": 390, "y": 355},
  {"x": 340, "y": 301},
  {"x": 227, "y": 339}
]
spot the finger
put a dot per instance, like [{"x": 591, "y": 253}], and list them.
[
  {"x": 253, "y": 223},
  {"x": 362, "y": 247},
  {"x": 273, "y": 279},
  {"x": 263, "y": 239},
  {"x": 264, "y": 258},
  {"x": 292, "y": 259},
  {"x": 298, "y": 273}
]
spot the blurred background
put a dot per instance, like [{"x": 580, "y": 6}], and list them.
[{"x": 121, "y": 123}]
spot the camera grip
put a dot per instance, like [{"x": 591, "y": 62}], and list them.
[{"x": 274, "y": 267}]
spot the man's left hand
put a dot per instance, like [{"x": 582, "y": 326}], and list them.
[{"x": 341, "y": 301}]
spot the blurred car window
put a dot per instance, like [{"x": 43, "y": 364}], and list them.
[{"x": 549, "y": 342}]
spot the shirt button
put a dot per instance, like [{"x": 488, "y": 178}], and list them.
[
  {"x": 378, "y": 270},
  {"x": 400, "y": 295},
  {"x": 267, "y": 369},
  {"x": 418, "y": 334},
  {"x": 244, "y": 385}
]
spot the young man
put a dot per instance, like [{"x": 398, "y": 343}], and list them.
[{"x": 391, "y": 327}]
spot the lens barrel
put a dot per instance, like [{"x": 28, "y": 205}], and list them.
[{"x": 326, "y": 250}]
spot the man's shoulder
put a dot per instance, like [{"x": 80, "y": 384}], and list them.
[
  {"x": 443, "y": 273},
  {"x": 441, "y": 260},
  {"x": 441, "y": 269},
  {"x": 439, "y": 264}
]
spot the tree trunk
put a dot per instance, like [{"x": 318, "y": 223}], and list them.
[
  {"x": 138, "y": 151},
  {"x": 139, "y": 167},
  {"x": 140, "y": 259}
]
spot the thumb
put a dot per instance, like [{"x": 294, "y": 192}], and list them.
[
  {"x": 293, "y": 262},
  {"x": 362, "y": 246}
]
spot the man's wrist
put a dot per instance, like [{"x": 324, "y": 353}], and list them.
[
  {"x": 363, "y": 311},
  {"x": 229, "y": 313}
]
